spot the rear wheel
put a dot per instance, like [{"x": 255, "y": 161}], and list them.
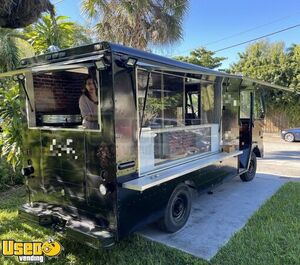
[
  {"x": 289, "y": 137},
  {"x": 250, "y": 174},
  {"x": 178, "y": 209}
]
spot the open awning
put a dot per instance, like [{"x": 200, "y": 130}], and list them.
[
  {"x": 268, "y": 85},
  {"x": 165, "y": 68},
  {"x": 64, "y": 65},
  {"x": 70, "y": 64}
]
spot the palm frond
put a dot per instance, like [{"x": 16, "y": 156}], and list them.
[
  {"x": 21, "y": 13},
  {"x": 138, "y": 23}
]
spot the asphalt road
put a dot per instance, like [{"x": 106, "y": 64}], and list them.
[{"x": 281, "y": 158}]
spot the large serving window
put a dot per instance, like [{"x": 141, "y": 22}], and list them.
[
  {"x": 179, "y": 118},
  {"x": 60, "y": 98}
]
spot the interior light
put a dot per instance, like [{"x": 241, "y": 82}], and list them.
[
  {"x": 131, "y": 62},
  {"x": 97, "y": 47},
  {"x": 102, "y": 189},
  {"x": 100, "y": 64}
]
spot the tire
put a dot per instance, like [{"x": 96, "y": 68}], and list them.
[
  {"x": 289, "y": 137},
  {"x": 250, "y": 174},
  {"x": 178, "y": 210}
]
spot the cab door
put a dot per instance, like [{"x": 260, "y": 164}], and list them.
[
  {"x": 258, "y": 123},
  {"x": 246, "y": 126}
]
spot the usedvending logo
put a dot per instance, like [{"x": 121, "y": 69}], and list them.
[{"x": 31, "y": 251}]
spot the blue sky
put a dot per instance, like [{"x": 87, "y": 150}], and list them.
[{"x": 208, "y": 21}]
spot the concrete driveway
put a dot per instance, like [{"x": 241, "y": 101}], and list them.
[
  {"x": 215, "y": 218},
  {"x": 281, "y": 159}
]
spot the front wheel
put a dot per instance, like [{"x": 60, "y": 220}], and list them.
[
  {"x": 289, "y": 137},
  {"x": 250, "y": 174},
  {"x": 178, "y": 209}
]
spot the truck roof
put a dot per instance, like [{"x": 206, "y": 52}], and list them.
[{"x": 156, "y": 62}]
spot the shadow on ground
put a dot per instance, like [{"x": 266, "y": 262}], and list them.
[{"x": 218, "y": 216}]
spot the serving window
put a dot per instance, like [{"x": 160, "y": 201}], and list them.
[
  {"x": 61, "y": 99},
  {"x": 179, "y": 118}
]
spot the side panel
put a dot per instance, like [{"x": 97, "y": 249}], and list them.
[
  {"x": 230, "y": 114},
  {"x": 126, "y": 144},
  {"x": 136, "y": 209},
  {"x": 100, "y": 157},
  {"x": 125, "y": 118},
  {"x": 63, "y": 171},
  {"x": 71, "y": 164}
]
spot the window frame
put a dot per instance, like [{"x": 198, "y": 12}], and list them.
[
  {"x": 31, "y": 116},
  {"x": 178, "y": 161}
]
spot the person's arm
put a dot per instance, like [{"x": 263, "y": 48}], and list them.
[
  {"x": 91, "y": 117},
  {"x": 85, "y": 110}
]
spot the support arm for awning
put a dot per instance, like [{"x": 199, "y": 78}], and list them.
[{"x": 269, "y": 85}]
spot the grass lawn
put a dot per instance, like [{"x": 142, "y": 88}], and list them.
[{"x": 272, "y": 236}]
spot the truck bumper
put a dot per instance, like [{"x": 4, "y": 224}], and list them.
[{"x": 77, "y": 227}]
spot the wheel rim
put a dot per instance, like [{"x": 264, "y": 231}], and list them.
[
  {"x": 179, "y": 208},
  {"x": 289, "y": 137}
]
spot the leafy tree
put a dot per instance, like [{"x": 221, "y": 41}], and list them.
[
  {"x": 137, "y": 23},
  {"x": 81, "y": 35},
  {"x": 12, "y": 126},
  {"x": 202, "y": 57},
  {"x": 264, "y": 61},
  {"x": 50, "y": 31},
  {"x": 12, "y": 47},
  {"x": 293, "y": 54},
  {"x": 56, "y": 31},
  {"x": 9, "y": 53},
  {"x": 271, "y": 62},
  {"x": 12, "y": 122},
  {"x": 21, "y": 13}
]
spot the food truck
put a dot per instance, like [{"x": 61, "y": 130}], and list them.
[{"x": 165, "y": 128}]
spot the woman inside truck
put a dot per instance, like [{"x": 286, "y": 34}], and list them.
[{"x": 88, "y": 104}]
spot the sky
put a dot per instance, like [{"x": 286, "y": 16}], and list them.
[{"x": 218, "y": 24}]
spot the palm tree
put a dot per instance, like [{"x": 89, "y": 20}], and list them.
[
  {"x": 9, "y": 52},
  {"x": 137, "y": 23},
  {"x": 50, "y": 31},
  {"x": 11, "y": 43},
  {"x": 21, "y": 13},
  {"x": 12, "y": 115}
]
